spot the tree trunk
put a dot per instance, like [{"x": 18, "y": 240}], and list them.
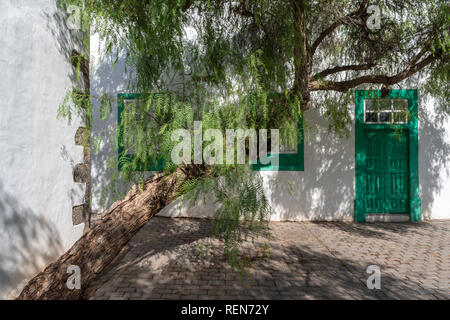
[
  {"x": 100, "y": 245},
  {"x": 302, "y": 61}
]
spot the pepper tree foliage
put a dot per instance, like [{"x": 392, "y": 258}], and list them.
[{"x": 219, "y": 61}]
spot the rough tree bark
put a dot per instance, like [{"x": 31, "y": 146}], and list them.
[
  {"x": 302, "y": 59},
  {"x": 99, "y": 246}
]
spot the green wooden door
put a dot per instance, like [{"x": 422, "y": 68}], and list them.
[
  {"x": 386, "y": 153},
  {"x": 386, "y": 171}
]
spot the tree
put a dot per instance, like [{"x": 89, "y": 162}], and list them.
[{"x": 292, "y": 47}]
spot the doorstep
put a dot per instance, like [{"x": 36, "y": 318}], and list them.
[{"x": 387, "y": 217}]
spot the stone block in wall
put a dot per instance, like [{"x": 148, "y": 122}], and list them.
[
  {"x": 79, "y": 214},
  {"x": 80, "y": 136},
  {"x": 81, "y": 173}
]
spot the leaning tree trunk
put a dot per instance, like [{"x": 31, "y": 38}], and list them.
[{"x": 100, "y": 245}]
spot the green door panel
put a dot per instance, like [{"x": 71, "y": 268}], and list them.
[
  {"x": 374, "y": 175},
  {"x": 386, "y": 177},
  {"x": 397, "y": 171}
]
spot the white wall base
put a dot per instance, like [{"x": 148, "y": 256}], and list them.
[{"x": 386, "y": 217}]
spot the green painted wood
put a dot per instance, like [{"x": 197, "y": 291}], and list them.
[
  {"x": 386, "y": 171},
  {"x": 374, "y": 171},
  {"x": 397, "y": 171},
  {"x": 287, "y": 161},
  {"x": 386, "y": 160}
]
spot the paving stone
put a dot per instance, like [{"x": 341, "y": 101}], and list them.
[{"x": 308, "y": 260}]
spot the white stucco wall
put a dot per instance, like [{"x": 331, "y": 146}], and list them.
[
  {"x": 434, "y": 159},
  {"x": 325, "y": 190},
  {"x": 37, "y": 191},
  {"x": 110, "y": 81}
]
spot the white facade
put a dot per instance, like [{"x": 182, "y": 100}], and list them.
[
  {"x": 325, "y": 190},
  {"x": 37, "y": 191}
]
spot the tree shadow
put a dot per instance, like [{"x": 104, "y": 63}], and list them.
[
  {"x": 66, "y": 39},
  {"x": 104, "y": 186},
  {"x": 378, "y": 230},
  {"x": 434, "y": 156},
  {"x": 295, "y": 270},
  {"x": 325, "y": 190},
  {"x": 108, "y": 78},
  {"x": 27, "y": 243},
  {"x": 147, "y": 250},
  {"x": 35, "y": 192}
]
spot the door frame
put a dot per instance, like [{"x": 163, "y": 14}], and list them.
[{"x": 411, "y": 126}]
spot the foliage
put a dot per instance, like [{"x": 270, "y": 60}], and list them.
[{"x": 221, "y": 62}]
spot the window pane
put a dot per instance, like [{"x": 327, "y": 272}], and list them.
[
  {"x": 385, "y": 104},
  {"x": 132, "y": 102},
  {"x": 131, "y": 131},
  {"x": 385, "y": 117},
  {"x": 400, "y": 117},
  {"x": 401, "y": 105},
  {"x": 285, "y": 146},
  {"x": 370, "y": 104},
  {"x": 371, "y": 117}
]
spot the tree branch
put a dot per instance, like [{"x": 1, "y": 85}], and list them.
[
  {"x": 302, "y": 60},
  {"x": 348, "y": 19},
  {"x": 187, "y": 5},
  {"x": 243, "y": 11},
  {"x": 353, "y": 67},
  {"x": 412, "y": 68}
]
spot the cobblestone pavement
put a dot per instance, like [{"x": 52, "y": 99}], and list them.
[{"x": 174, "y": 259}]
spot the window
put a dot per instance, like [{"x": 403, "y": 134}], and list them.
[
  {"x": 290, "y": 158},
  {"x": 130, "y": 146},
  {"x": 126, "y": 150},
  {"x": 286, "y": 148},
  {"x": 386, "y": 111}
]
